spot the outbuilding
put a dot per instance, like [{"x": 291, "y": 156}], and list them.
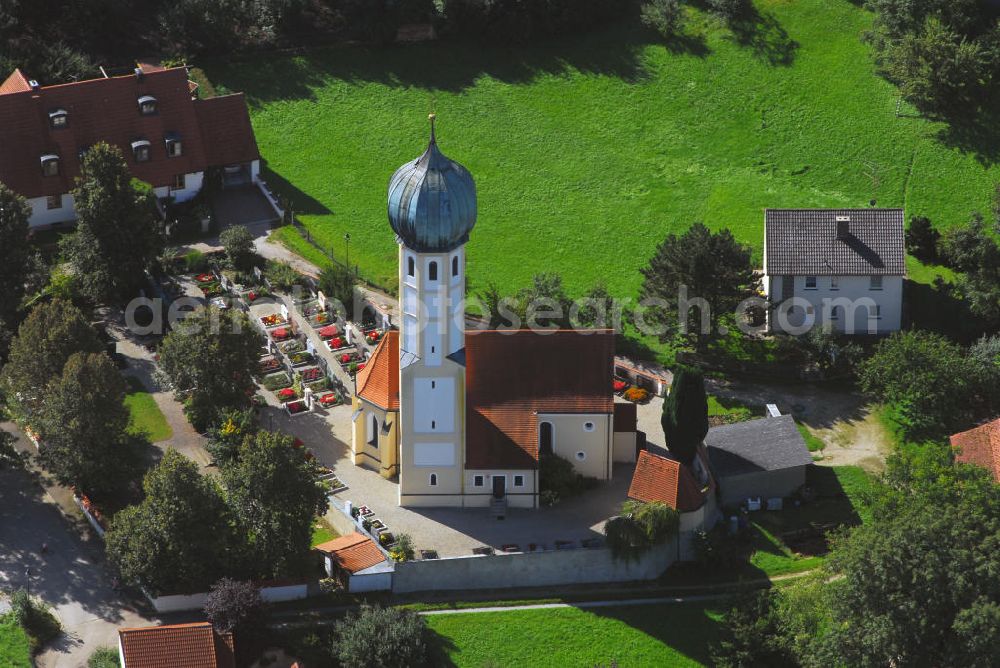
[
  {"x": 759, "y": 459},
  {"x": 358, "y": 563}
]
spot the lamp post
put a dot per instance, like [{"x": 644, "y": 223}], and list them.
[{"x": 347, "y": 252}]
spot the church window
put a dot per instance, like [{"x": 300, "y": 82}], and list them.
[
  {"x": 432, "y": 271},
  {"x": 434, "y": 479},
  {"x": 410, "y": 266},
  {"x": 545, "y": 438},
  {"x": 454, "y": 266},
  {"x": 373, "y": 434}
]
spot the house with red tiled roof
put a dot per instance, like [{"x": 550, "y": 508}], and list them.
[
  {"x": 980, "y": 446},
  {"x": 463, "y": 418},
  {"x": 171, "y": 646},
  {"x": 169, "y": 137}
]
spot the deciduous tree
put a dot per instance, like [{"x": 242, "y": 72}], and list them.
[
  {"x": 118, "y": 233},
  {"x": 83, "y": 423},
  {"x": 335, "y": 282},
  {"x": 238, "y": 244},
  {"x": 15, "y": 251},
  {"x": 210, "y": 359},
  {"x": 48, "y": 337},
  {"x": 272, "y": 489},
  {"x": 387, "y": 637},
  {"x": 234, "y": 605},
  {"x": 180, "y": 538}
]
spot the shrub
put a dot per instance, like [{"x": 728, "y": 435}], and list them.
[
  {"x": 386, "y": 637},
  {"x": 195, "y": 262},
  {"x": 35, "y": 618},
  {"x": 234, "y": 605},
  {"x": 558, "y": 479},
  {"x": 282, "y": 276},
  {"x": 238, "y": 243},
  {"x": 403, "y": 550},
  {"x": 639, "y": 527},
  {"x": 663, "y": 16},
  {"x": 730, "y": 10},
  {"x": 104, "y": 657}
]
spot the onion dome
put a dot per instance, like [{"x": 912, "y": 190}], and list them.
[{"x": 432, "y": 202}]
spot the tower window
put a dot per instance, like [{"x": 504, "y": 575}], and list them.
[
  {"x": 433, "y": 424},
  {"x": 454, "y": 266},
  {"x": 545, "y": 438},
  {"x": 434, "y": 479},
  {"x": 410, "y": 266},
  {"x": 432, "y": 271}
]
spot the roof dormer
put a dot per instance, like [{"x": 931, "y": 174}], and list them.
[
  {"x": 58, "y": 118},
  {"x": 147, "y": 105}
]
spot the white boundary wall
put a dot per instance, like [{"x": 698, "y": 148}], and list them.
[{"x": 179, "y": 602}]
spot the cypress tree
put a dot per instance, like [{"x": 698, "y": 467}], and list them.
[{"x": 685, "y": 414}]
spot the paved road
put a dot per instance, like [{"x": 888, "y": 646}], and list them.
[{"x": 70, "y": 577}]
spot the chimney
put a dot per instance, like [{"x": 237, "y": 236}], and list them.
[
  {"x": 34, "y": 84},
  {"x": 843, "y": 227},
  {"x": 772, "y": 411}
]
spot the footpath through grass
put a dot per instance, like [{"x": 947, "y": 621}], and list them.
[
  {"x": 588, "y": 150},
  {"x": 14, "y": 647},
  {"x": 146, "y": 416},
  {"x": 641, "y": 635}
]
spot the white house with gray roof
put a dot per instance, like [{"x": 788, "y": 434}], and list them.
[{"x": 836, "y": 268}]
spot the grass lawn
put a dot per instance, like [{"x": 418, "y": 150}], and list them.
[
  {"x": 146, "y": 415},
  {"x": 323, "y": 532},
  {"x": 14, "y": 647},
  {"x": 813, "y": 442},
  {"x": 729, "y": 410},
  {"x": 588, "y": 150},
  {"x": 643, "y": 635}
]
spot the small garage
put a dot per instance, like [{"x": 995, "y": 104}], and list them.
[
  {"x": 758, "y": 459},
  {"x": 358, "y": 563}
]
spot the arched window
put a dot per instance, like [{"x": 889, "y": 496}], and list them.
[
  {"x": 410, "y": 266},
  {"x": 454, "y": 266},
  {"x": 545, "y": 438},
  {"x": 432, "y": 271},
  {"x": 373, "y": 434},
  {"x": 434, "y": 479}
]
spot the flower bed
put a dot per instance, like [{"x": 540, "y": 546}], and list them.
[
  {"x": 300, "y": 358},
  {"x": 329, "y": 399},
  {"x": 336, "y": 344},
  {"x": 280, "y": 334},
  {"x": 619, "y": 386},
  {"x": 297, "y": 407},
  {"x": 320, "y": 319},
  {"x": 373, "y": 337},
  {"x": 269, "y": 365},
  {"x": 310, "y": 308},
  {"x": 276, "y": 381},
  {"x": 293, "y": 346},
  {"x": 286, "y": 394},
  {"x": 636, "y": 394},
  {"x": 347, "y": 358},
  {"x": 328, "y": 332},
  {"x": 311, "y": 375},
  {"x": 205, "y": 278},
  {"x": 318, "y": 386},
  {"x": 273, "y": 320},
  {"x": 386, "y": 539}
]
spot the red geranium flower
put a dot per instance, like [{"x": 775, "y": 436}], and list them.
[{"x": 345, "y": 358}]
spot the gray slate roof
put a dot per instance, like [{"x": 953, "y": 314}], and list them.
[
  {"x": 803, "y": 242},
  {"x": 768, "y": 444}
]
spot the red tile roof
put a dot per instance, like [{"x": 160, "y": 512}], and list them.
[
  {"x": 511, "y": 376},
  {"x": 353, "y": 553},
  {"x": 378, "y": 382},
  {"x": 15, "y": 83},
  {"x": 189, "y": 645},
  {"x": 980, "y": 446},
  {"x": 666, "y": 480},
  {"x": 107, "y": 110},
  {"x": 226, "y": 131}
]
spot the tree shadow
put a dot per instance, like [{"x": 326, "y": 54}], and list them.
[
  {"x": 439, "y": 649},
  {"x": 689, "y": 629},
  {"x": 446, "y": 65},
  {"x": 978, "y": 136},
  {"x": 764, "y": 36},
  {"x": 939, "y": 309}
]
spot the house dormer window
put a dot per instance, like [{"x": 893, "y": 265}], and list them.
[
  {"x": 876, "y": 283},
  {"x": 58, "y": 118},
  {"x": 50, "y": 165},
  {"x": 147, "y": 105},
  {"x": 140, "y": 149},
  {"x": 173, "y": 142}
]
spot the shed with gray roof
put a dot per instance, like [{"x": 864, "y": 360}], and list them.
[{"x": 764, "y": 458}]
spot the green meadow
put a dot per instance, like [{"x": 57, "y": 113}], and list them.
[{"x": 588, "y": 150}]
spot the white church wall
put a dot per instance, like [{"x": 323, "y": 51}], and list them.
[{"x": 584, "y": 439}]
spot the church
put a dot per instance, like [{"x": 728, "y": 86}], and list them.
[{"x": 460, "y": 417}]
